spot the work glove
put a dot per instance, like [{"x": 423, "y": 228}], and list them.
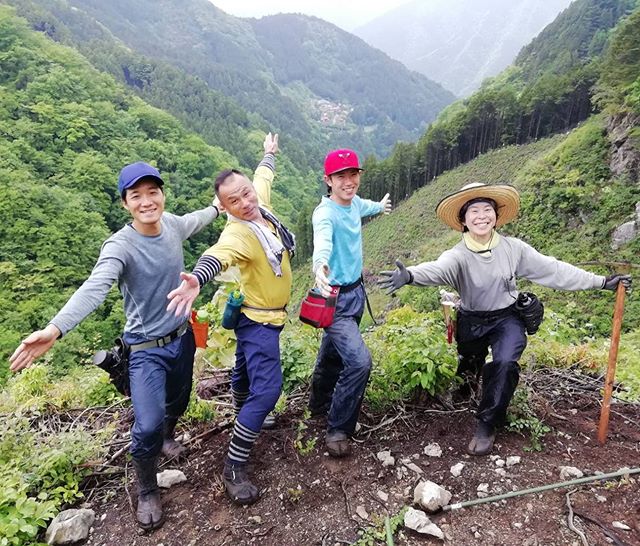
[
  {"x": 611, "y": 282},
  {"x": 322, "y": 280},
  {"x": 386, "y": 204},
  {"x": 396, "y": 279}
]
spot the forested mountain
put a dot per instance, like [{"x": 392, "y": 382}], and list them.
[
  {"x": 66, "y": 129},
  {"x": 459, "y": 43},
  {"x": 577, "y": 187},
  {"x": 266, "y": 67},
  {"x": 527, "y": 101}
]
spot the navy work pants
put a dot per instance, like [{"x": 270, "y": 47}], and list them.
[
  {"x": 257, "y": 370},
  {"x": 505, "y": 334},
  {"x": 343, "y": 366},
  {"x": 160, "y": 387}
]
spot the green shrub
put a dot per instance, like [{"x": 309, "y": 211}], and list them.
[
  {"x": 40, "y": 470},
  {"x": 410, "y": 354},
  {"x": 299, "y": 346}
]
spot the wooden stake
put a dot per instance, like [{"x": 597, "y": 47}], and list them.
[{"x": 618, "y": 311}]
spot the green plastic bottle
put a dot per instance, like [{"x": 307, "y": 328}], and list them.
[{"x": 231, "y": 315}]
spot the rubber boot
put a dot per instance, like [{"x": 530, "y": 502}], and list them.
[
  {"x": 337, "y": 443},
  {"x": 149, "y": 513},
  {"x": 483, "y": 438},
  {"x": 171, "y": 448},
  {"x": 236, "y": 481}
]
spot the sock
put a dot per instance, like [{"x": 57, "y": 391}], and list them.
[
  {"x": 239, "y": 398},
  {"x": 241, "y": 443}
]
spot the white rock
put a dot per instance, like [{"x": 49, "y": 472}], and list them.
[
  {"x": 418, "y": 521},
  {"x": 512, "y": 461},
  {"x": 600, "y": 498},
  {"x": 431, "y": 496},
  {"x": 386, "y": 458},
  {"x": 620, "y": 525},
  {"x": 382, "y": 496},
  {"x": 494, "y": 457},
  {"x": 569, "y": 472},
  {"x": 362, "y": 512},
  {"x": 456, "y": 469},
  {"x": 168, "y": 478},
  {"x": 483, "y": 490},
  {"x": 500, "y": 463},
  {"x": 413, "y": 467},
  {"x": 433, "y": 450},
  {"x": 70, "y": 526},
  {"x": 255, "y": 519},
  {"x": 501, "y": 472}
]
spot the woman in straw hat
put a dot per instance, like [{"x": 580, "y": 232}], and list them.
[{"x": 483, "y": 268}]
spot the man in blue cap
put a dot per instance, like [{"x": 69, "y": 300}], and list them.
[{"x": 145, "y": 257}]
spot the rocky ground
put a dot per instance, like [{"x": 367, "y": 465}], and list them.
[{"x": 310, "y": 499}]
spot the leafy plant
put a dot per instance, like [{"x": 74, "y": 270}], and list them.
[
  {"x": 522, "y": 419},
  {"x": 303, "y": 445},
  {"x": 411, "y": 354},
  {"x": 377, "y": 533}
]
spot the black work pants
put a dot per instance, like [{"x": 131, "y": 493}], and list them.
[{"x": 505, "y": 334}]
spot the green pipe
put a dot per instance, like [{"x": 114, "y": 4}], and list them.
[
  {"x": 387, "y": 528},
  {"x": 510, "y": 494}
]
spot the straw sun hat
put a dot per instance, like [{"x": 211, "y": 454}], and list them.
[{"x": 507, "y": 198}]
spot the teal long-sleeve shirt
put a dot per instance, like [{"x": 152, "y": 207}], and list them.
[{"x": 337, "y": 237}]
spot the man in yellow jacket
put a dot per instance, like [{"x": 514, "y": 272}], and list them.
[{"x": 261, "y": 247}]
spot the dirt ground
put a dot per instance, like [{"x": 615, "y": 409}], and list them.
[{"x": 311, "y": 499}]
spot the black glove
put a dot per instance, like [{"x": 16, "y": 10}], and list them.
[
  {"x": 396, "y": 278},
  {"x": 611, "y": 281}
]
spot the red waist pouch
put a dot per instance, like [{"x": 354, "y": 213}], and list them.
[{"x": 317, "y": 310}]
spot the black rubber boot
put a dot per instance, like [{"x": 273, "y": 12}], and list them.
[
  {"x": 149, "y": 513},
  {"x": 338, "y": 444},
  {"x": 483, "y": 438},
  {"x": 236, "y": 481},
  {"x": 171, "y": 448}
]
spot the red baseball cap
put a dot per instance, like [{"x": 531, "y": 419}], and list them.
[{"x": 340, "y": 160}]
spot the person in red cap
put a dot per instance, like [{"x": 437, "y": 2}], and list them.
[{"x": 344, "y": 362}]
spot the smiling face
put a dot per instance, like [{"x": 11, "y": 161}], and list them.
[
  {"x": 239, "y": 198},
  {"x": 145, "y": 202},
  {"x": 344, "y": 186},
  {"x": 480, "y": 219}
]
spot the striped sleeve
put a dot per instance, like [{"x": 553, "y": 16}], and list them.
[{"x": 207, "y": 268}]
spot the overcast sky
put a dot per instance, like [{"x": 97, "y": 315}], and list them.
[{"x": 344, "y": 13}]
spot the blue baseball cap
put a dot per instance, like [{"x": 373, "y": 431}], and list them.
[{"x": 130, "y": 174}]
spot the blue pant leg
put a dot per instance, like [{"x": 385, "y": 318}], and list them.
[
  {"x": 147, "y": 375},
  {"x": 345, "y": 336},
  {"x": 180, "y": 374},
  {"x": 260, "y": 344},
  {"x": 325, "y": 376},
  {"x": 239, "y": 375},
  {"x": 500, "y": 376}
]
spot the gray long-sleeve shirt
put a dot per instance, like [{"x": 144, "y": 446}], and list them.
[
  {"x": 488, "y": 282},
  {"x": 147, "y": 268}
]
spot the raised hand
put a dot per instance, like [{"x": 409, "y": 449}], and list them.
[
  {"x": 322, "y": 280},
  {"x": 386, "y": 204},
  {"x": 182, "y": 298},
  {"x": 32, "y": 347},
  {"x": 271, "y": 144},
  {"x": 395, "y": 279}
]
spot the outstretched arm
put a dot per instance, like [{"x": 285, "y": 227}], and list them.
[{"x": 33, "y": 346}]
